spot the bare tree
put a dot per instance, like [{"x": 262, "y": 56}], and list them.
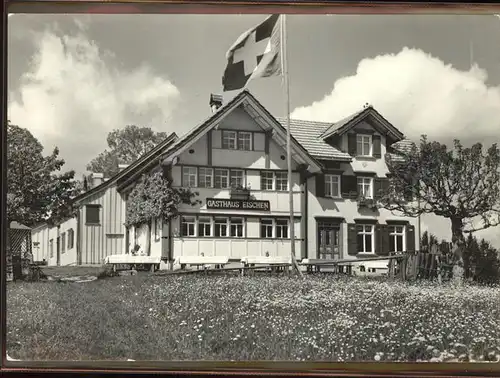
[{"x": 460, "y": 184}]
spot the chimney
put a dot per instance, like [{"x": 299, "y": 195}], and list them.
[
  {"x": 215, "y": 102},
  {"x": 97, "y": 179},
  {"x": 121, "y": 167}
]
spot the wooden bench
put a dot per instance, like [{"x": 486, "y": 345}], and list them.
[
  {"x": 276, "y": 263},
  {"x": 132, "y": 260},
  {"x": 202, "y": 261}
]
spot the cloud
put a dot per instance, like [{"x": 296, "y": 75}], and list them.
[
  {"x": 74, "y": 94},
  {"x": 419, "y": 94}
]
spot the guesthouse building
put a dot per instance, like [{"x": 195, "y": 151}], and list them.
[{"x": 236, "y": 161}]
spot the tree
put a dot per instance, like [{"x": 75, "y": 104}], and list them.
[
  {"x": 35, "y": 192},
  {"x": 125, "y": 146},
  {"x": 462, "y": 185},
  {"x": 154, "y": 197}
]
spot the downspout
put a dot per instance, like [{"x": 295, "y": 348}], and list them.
[{"x": 78, "y": 233}]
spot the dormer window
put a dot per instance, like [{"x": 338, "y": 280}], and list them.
[{"x": 364, "y": 145}]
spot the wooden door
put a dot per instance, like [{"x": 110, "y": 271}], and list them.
[{"x": 328, "y": 241}]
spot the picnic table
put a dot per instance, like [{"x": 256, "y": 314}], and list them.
[
  {"x": 275, "y": 263},
  {"x": 202, "y": 261},
  {"x": 132, "y": 260},
  {"x": 314, "y": 265}
]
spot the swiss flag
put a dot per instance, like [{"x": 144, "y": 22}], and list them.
[{"x": 256, "y": 53}]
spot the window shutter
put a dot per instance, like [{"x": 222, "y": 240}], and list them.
[
  {"x": 349, "y": 186},
  {"x": 352, "y": 239},
  {"x": 377, "y": 188},
  {"x": 377, "y": 149},
  {"x": 351, "y": 144},
  {"x": 410, "y": 238},
  {"x": 320, "y": 185},
  {"x": 382, "y": 239}
]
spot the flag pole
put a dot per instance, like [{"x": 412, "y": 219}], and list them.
[{"x": 286, "y": 85}]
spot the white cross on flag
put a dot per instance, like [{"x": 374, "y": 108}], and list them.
[{"x": 256, "y": 53}]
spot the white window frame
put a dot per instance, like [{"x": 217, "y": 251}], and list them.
[
  {"x": 188, "y": 220},
  {"x": 365, "y": 232},
  {"x": 394, "y": 234},
  {"x": 282, "y": 227},
  {"x": 266, "y": 177},
  {"x": 361, "y": 140},
  {"x": 229, "y": 139},
  {"x": 217, "y": 172},
  {"x": 244, "y": 140},
  {"x": 63, "y": 243},
  {"x": 202, "y": 222},
  {"x": 268, "y": 223},
  {"x": 217, "y": 223},
  {"x": 236, "y": 221},
  {"x": 71, "y": 239},
  {"x": 190, "y": 172},
  {"x": 231, "y": 177},
  {"x": 281, "y": 177},
  {"x": 203, "y": 174},
  {"x": 362, "y": 182},
  {"x": 329, "y": 185}
]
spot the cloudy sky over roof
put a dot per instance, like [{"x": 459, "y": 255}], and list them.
[{"x": 72, "y": 79}]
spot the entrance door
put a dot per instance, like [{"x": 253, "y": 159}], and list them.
[
  {"x": 58, "y": 250},
  {"x": 328, "y": 241}
]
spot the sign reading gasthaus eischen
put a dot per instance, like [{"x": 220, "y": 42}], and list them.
[{"x": 213, "y": 203}]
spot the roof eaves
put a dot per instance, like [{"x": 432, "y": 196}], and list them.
[{"x": 278, "y": 124}]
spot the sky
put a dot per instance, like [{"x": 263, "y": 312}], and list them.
[{"x": 74, "y": 78}]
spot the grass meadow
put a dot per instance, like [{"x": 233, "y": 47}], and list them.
[{"x": 328, "y": 318}]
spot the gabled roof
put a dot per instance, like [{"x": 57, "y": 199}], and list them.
[
  {"x": 135, "y": 168},
  {"x": 260, "y": 114},
  {"x": 18, "y": 226},
  {"x": 344, "y": 125},
  {"x": 308, "y": 134}
]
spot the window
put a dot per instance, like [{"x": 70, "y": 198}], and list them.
[
  {"x": 266, "y": 180},
  {"x": 71, "y": 238},
  {"x": 205, "y": 226},
  {"x": 92, "y": 214},
  {"x": 332, "y": 186},
  {"x": 51, "y": 247},
  {"x": 365, "y": 238},
  {"x": 282, "y": 228},
  {"x": 365, "y": 187},
  {"x": 220, "y": 227},
  {"x": 281, "y": 181},
  {"x": 266, "y": 228},
  {"x": 396, "y": 238},
  {"x": 245, "y": 141},
  {"x": 274, "y": 181},
  {"x": 221, "y": 179},
  {"x": 63, "y": 243},
  {"x": 364, "y": 145},
  {"x": 237, "y": 178},
  {"x": 205, "y": 177},
  {"x": 189, "y": 177},
  {"x": 237, "y": 227},
  {"x": 188, "y": 226},
  {"x": 229, "y": 140}
]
